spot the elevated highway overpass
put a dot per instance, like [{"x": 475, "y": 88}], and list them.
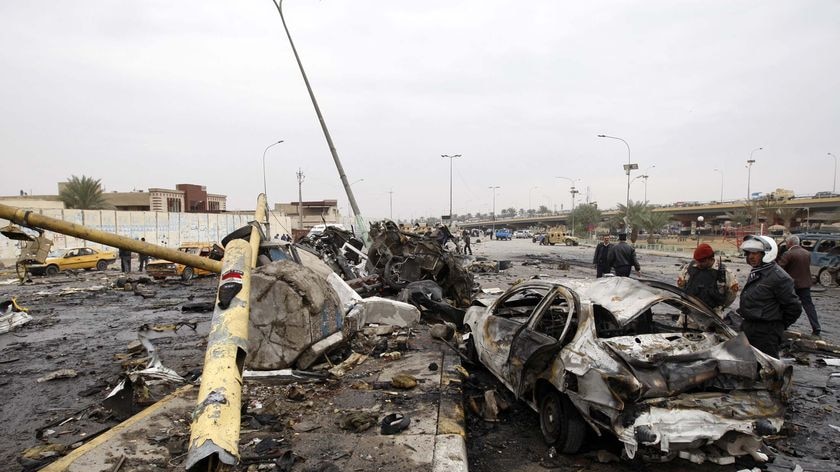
[{"x": 816, "y": 210}]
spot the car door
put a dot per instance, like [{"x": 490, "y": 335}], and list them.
[
  {"x": 552, "y": 325},
  {"x": 822, "y": 253},
  {"x": 87, "y": 259},
  {"x": 71, "y": 260},
  {"x": 509, "y": 315}
]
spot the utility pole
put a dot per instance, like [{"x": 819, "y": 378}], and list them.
[
  {"x": 451, "y": 158},
  {"x": 493, "y": 189},
  {"x": 391, "y": 204},
  {"x": 300, "y": 178}
]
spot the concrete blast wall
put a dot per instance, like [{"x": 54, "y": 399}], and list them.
[{"x": 162, "y": 228}]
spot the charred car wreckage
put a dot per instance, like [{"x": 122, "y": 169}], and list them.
[{"x": 636, "y": 359}]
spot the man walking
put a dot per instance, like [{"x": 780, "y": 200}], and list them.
[
  {"x": 143, "y": 259},
  {"x": 602, "y": 250},
  {"x": 465, "y": 235},
  {"x": 708, "y": 280},
  {"x": 622, "y": 257},
  {"x": 796, "y": 261},
  {"x": 768, "y": 302}
]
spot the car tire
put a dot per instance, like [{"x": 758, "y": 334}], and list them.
[
  {"x": 52, "y": 270},
  {"x": 392, "y": 273},
  {"x": 101, "y": 265},
  {"x": 560, "y": 422},
  {"x": 551, "y": 244},
  {"x": 187, "y": 274},
  {"x": 826, "y": 278}
]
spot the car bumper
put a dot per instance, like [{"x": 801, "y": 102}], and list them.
[{"x": 732, "y": 422}]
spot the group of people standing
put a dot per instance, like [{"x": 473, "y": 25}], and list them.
[
  {"x": 125, "y": 259},
  {"x": 774, "y": 296},
  {"x": 620, "y": 257}
]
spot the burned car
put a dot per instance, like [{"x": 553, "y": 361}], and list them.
[{"x": 636, "y": 359}]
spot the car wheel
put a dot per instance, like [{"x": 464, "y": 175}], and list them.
[
  {"x": 392, "y": 273},
  {"x": 826, "y": 278},
  {"x": 561, "y": 423},
  {"x": 101, "y": 265},
  {"x": 52, "y": 270},
  {"x": 187, "y": 274},
  {"x": 569, "y": 242},
  {"x": 551, "y": 244}
]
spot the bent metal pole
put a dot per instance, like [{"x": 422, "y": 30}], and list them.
[
  {"x": 214, "y": 432},
  {"x": 360, "y": 222},
  {"x": 31, "y": 218}
]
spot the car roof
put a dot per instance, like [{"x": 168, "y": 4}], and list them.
[{"x": 624, "y": 297}]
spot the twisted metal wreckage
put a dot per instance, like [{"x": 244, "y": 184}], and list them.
[
  {"x": 643, "y": 399},
  {"x": 254, "y": 322}
]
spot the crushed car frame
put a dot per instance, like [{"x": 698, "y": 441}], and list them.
[{"x": 637, "y": 359}]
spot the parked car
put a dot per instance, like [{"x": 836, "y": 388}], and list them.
[
  {"x": 503, "y": 233},
  {"x": 74, "y": 258},
  {"x": 636, "y": 359},
  {"x": 160, "y": 269},
  {"x": 825, "y": 256},
  {"x": 521, "y": 234},
  {"x": 826, "y": 195}
]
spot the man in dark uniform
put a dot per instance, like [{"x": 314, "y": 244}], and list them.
[
  {"x": 600, "y": 259},
  {"x": 768, "y": 302},
  {"x": 796, "y": 261},
  {"x": 622, "y": 257}
]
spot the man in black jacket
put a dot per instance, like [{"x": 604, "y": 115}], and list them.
[
  {"x": 769, "y": 304},
  {"x": 622, "y": 257},
  {"x": 600, "y": 259}
]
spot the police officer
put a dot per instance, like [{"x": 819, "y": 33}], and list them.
[
  {"x": 769, "y": 304},
  {"x": 708, "y": 280}
]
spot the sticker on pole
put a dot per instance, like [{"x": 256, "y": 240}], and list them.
[{"x": 231, "y": 285}]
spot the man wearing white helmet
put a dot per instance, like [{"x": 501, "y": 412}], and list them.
[{"x": 768, "y": 302}]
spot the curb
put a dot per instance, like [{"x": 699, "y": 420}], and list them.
[{"x": 450, "y": 453}]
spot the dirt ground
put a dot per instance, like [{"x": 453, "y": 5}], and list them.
[
  {"x": 83, "y": 323},
  {"x": 515, "y": 442}
]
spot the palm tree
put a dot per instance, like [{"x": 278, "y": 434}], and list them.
[
  {"x": 83, "y": 193},
  {"x": 788, "y": 215},
  {"x": 652, "y": 222},
  {"x": 637, "y": 210}
]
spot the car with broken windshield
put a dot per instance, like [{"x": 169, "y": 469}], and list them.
[{"x": 636, "y": 359}]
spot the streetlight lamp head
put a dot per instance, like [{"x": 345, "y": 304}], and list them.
[{"x": 602, "y": 135}]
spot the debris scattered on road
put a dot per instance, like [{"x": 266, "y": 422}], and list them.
[
  {"x": 58, "y": 374},
  {"x": 394, "y": 423},
  {"x": 357, "y": 421},
  {"x": 403, "y": 382}
]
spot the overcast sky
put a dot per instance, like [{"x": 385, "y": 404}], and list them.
[{"x": 156, "y": 93}]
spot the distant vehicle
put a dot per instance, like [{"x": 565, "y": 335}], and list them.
[
  {"x": 74, "y": 258},
  {"x": 559, "y": 236},
  {"x": 826, "y": 195},
  {"x": 825, "y": 256},
  {"x": 503, "y": 233},
  {"x": 160, "y": 269},
  {"x": 521, "y": 234}
]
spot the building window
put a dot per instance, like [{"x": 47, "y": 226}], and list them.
[
  {"x": 213, "y": 206},
  {"x": 173, "y": 205}
]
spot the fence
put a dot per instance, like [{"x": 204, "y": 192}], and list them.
[{"x": 165, "y": 229}]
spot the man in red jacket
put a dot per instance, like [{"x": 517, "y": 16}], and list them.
[{"x": 796, "y": 261}]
